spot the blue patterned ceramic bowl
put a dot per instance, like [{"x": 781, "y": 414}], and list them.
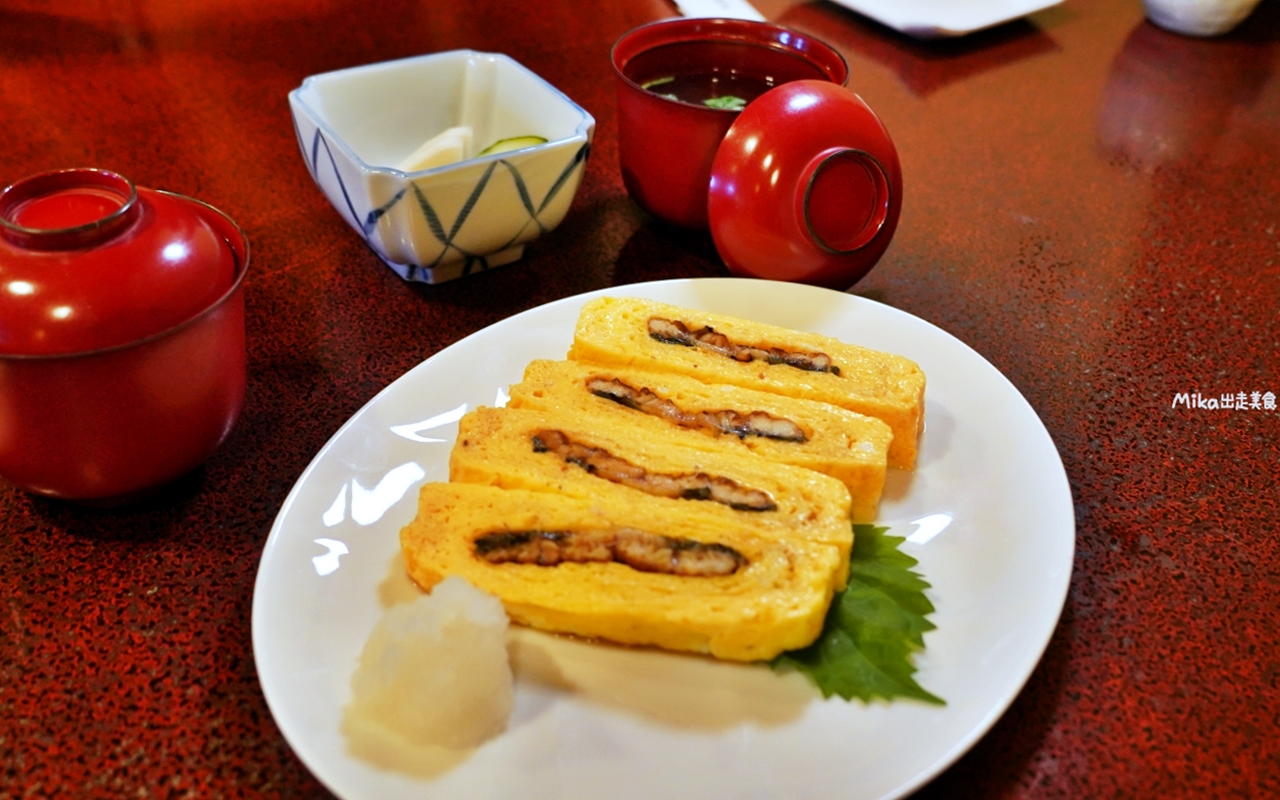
[{"x": 444, "y": 222}]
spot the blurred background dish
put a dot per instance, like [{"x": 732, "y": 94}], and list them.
[
  {"x": 1199, "y": 17},
  {"x": 940, "y": 19},
  {"x": 357, "y": 127}
]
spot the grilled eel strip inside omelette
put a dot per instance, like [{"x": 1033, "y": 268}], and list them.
[
  {"x": 676, "y": 332},
  {"x": 754, "y": 423},
  {"x": 699, "y": 486},
  {"x": 640, "y": 550}
]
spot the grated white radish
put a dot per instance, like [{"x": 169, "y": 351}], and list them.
[{"x": 436, "y": 671}]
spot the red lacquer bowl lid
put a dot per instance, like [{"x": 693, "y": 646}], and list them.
[
  {"x": 805, "y": 187},
  {"x": 89, "y": 261}
]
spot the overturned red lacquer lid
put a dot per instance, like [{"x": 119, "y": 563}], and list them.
[
  {"x": 89, "y": 261},
  {"x": 805, "y": 187}
]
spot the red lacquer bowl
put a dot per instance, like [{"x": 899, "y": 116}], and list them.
[
  {"x": 665, "y": 146},
  {"x": 122, "y": 350},
  {"x": 801, "y": 182},
  {"x": 806, "y": 187}
]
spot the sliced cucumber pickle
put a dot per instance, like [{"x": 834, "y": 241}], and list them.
[{"x": 514, "y": 143}]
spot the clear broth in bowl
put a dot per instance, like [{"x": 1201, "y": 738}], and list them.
[
  {"x": 714, "y": 89},
  {"x": 725, "y": 75}
]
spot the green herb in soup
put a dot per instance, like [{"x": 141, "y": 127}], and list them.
[
  {"x": 727, "y": 101},
  {"x": 718, "y": 74},
  {"x": 724, "y": 90}
]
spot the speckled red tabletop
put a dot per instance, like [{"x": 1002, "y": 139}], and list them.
[{"x": 1092, "y": 203}]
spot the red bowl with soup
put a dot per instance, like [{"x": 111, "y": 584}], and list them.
[
  {"x": 681, "y": 84},
  {"x": 747, "y": 129}
]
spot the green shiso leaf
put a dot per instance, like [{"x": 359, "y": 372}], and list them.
[
  {"x": 873, "y": 627},
  {"x": 726, "y": 101}
]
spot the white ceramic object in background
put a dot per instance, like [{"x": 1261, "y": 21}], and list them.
[
  {"x": 449, "y": 221},
  {"x": 1199, "y": 17},
  {"x": 940, "y": 19}
]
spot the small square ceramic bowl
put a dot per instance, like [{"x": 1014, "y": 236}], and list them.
[{"x": 437, "y": 224}]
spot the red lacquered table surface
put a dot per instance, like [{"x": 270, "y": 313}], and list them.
[{"x": 1092, "y": 203}]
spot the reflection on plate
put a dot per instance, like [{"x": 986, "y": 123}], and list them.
[
  {"x": 937, "y": 19},
  {"x": 988, "y": 514}
]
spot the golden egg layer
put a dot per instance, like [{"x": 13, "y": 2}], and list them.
[
  {"x": 775, "y": 602},
  {"x": 847, "y": 446},
  {"x": 888, "y": 387},
  {"x": 495, "y": 446}
]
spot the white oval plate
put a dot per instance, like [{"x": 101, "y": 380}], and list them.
[
  {"x": 988, "y": 513},
  {"x": 940, "y": 19}
]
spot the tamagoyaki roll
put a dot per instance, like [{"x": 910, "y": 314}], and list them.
[
  {"x": 630, "y": 570},
  {"x": 594, "y": 456},
  {"x": 716, "y": 348},
  {"x": 804, "y": 433}
]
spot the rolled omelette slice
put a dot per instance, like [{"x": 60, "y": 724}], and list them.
[
  {"x": 715, "y": 348},
  {"x": 852, "y": 448},
  {"x": 520, "y": 546},
  {"x": 595, "y": 456}
]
